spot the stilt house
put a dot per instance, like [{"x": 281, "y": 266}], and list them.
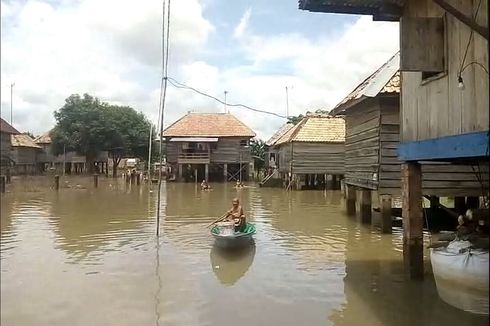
[
  {"x": 444, "y": 115},
  {"x": 25, "y": 154},
  {"x": 312, "y": 152},
  {"x": 211, "y": 146},
  {"x": 6, "y": 132}
]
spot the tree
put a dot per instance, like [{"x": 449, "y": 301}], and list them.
[
  {"x": 88, "y": 126},
  {"x": 295, "y": 119},
  {"x": 258, "y": 150},
  {"x": 129, "y": 133}
]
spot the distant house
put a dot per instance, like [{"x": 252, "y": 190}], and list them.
[
  {"x": 272, "y": 150},
  {"x": 6, "y": 132},
  {"x": 312, "y": 151},
  {"x": 71, "y": 161},
  {"x": 25, "y": 153},
  {"x": 215, "y": 146}
]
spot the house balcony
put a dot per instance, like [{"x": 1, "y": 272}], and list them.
[{"x": 194, "y": 158}]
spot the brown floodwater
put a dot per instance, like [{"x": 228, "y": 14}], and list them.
[{"x": 85, "y": 256}]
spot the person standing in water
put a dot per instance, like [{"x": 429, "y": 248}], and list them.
[
  {"x": 205, "y": 185},
  {"x": 236, "y": 215}
]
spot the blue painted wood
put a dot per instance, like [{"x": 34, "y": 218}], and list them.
[{"x": 469, "y": 145}]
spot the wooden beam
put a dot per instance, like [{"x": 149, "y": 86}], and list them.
[
  {"x": 351, "y": 200},
  {"x": 470, "y": 145},
  {"x": 413, "y": 221},
  {"x": 386, "y": 219},
  {"x": 463, "y": 18}
]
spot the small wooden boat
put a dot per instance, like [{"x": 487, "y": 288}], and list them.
[
  {"x": 229, "y": 240},
  {"x": 461, "y": 276}
]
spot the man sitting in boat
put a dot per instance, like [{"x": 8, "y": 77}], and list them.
[
  {"x": 236, "y": 214},
  {"x": 205, "y": 185}
]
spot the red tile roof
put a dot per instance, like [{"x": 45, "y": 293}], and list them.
[
  {"x": 7, "y": 128},
  {"x": 208, "y": 125}
]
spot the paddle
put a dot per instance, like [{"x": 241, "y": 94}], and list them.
[{"x": 219, "y": 219}]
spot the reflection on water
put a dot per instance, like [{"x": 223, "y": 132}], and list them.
[
  {"x": 230, "y": 266},
  {"x": 86, "y": 256}
]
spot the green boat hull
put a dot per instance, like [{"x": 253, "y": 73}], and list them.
[{"x": 238, "y": 240}]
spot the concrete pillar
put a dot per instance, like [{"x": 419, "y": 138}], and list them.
[
  {"x": 351, "y": 200},
  {"x": 206, "y": 172},
  {"x": 180, "y": 171},
  {"x": 365, "y": 206},
  {"x": 225, "y": 171},
  {"x": 413, "y": 222},
  {"x": 386, "y": 220}
]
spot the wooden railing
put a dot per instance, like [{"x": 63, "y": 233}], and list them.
[{"x": 194, "y": 156}]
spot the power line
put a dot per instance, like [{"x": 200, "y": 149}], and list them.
[
  {"x": 178, "y": 84},
  {"x": 163, "y": 94}
]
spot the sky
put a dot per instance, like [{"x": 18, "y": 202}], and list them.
[{"x": 252, "y": 49}]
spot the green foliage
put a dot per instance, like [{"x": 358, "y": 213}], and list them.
[
  {"x": 88, "y": 126},
  {"x": 296, "y": 119},
  {"x": 258, "y": 150}
]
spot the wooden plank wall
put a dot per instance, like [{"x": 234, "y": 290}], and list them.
[
  {"x": 318, "y": 158},
  {"x": 284, "y": 151},
  {"x": 228, "y": 151},
  {"x": 362, "y": 144},
  {"x": 438, "y": 179},
  {"x": 172, "y": 152},
  {"x": 438, "y": 107}
]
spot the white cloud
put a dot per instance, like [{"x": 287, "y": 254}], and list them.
[
  {"x": 242, "y": 25},
  {"x": 53, "y": 51}
]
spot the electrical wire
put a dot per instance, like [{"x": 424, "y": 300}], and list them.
[
  {"x": 474, "y": 63},
  {"x": 163, "y": 94},
  {"x": 178, "y": 84},
  {"x": 469, "y": 41}
]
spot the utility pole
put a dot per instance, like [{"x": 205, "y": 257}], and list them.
[
  {"x": 287, "y": 103},
  {"x": 11, "y": 103},
  {"x": 226, "y": 92}
]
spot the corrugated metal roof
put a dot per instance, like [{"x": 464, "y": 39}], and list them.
[
  {"x": 316, "y": 128},
  {"x": 383, "y": 81},
  {"x": 208, "y": 125},
  {"x": 7, "y": 128},
  {"x": 23, "y": 140},
  {"x": 380, "y": 9},
  {"x": 279, "y": 133},
  {"x": 43, "y": 139}
]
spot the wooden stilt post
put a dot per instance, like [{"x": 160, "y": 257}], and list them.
[
  {"x": 460, "y": 205},
  {"x": 365, "y": 206},
  {"x": 56, "y": 182},
  {"x": 206, "y": 172},
  {"x": 96, "y": 180},
  {"x": 8, "y": 175},
  {"x": 472, "y": 202},
  {"x": 329, "y": 181},
  {"x": 342, "y": 188},
  {"x": 225, "y": 171},
  {"x": 138, "y": 179},
  {"x": 334, "y": 182},
  {"x": 179, "y": 166},
  {"x": 351, "y": 200},
  {"x": 412, "y": 220},
  {"x": 195, "y": 175},
  {"x": 2, "y": 183},
  {"x": 386, "y": 221}
]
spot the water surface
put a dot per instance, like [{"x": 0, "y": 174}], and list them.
[{"x": 85, "y": 256}]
